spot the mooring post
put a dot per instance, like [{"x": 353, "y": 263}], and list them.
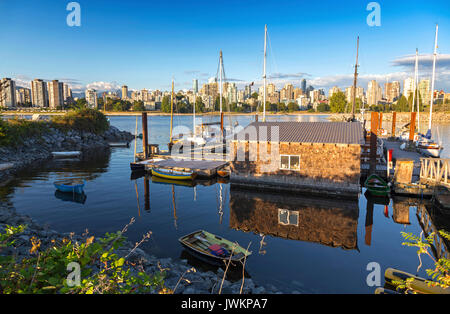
[
  {"x": 412, "y": 126},
  {"x": 256, "y": 117},
  {"x": 380, "y": 123},
  {"x": 394, "y": 117},
  {"x": 144, "y": 135}
]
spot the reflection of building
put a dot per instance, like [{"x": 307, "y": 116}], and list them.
[
  {"x": 314, "y": 157},
  {"x": 292, "y": 217}
]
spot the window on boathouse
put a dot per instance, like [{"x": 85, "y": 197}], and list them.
[{"x": 290, "y": 162}]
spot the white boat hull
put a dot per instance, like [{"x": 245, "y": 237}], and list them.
[{"x": 431, "y": 152}]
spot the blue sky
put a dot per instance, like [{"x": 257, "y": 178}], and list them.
[{"x": 145, "y": 43}]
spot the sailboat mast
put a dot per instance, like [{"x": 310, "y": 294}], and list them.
[
  {"x": 432, "y": 78},
  {"x": 355, "y": 78},
  {"x": 171, "y": 113},
  {"x": 220, "y": 80},
  {"x": 264, "y": 72},
  {"x": 416, "y": 79}
]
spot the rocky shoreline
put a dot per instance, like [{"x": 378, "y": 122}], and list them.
[{"x": 39, "y": 148}]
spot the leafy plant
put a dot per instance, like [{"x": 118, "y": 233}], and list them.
[
  {"x": 102, "y": 270},
  {"x": 440, "y": 275}
]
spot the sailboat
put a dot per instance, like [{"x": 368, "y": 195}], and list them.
[{"x": 425, "y": 144}]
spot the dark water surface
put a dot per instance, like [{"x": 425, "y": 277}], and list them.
[{"x": 325, "y": 249}]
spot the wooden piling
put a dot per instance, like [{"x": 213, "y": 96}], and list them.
[
  {"x": 394, "y": 117},
  {"x": 373, "y": 140},
  {"x": 144, "y": 135},
  {"x": 380, "y": 123},
  {"x": 412, "y": 126}
]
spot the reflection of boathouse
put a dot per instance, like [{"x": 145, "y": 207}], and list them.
[
  {"x": 313, "y": 157},
  {"x": 315, "y": 220}
]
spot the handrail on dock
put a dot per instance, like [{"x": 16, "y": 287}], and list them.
[{"x": 435, "y": 171}]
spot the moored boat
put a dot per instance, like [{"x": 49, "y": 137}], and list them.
[
  {"x": 377, "y": 186},
  {"x": 161, "y": 180},
  {"x": 69, "y": 187},
  {"x": 213, "y": 248},
  {"x": 66, "y": 154},
  {"x": 173, "y": 174},
  {"x": 392, "y": 276}
]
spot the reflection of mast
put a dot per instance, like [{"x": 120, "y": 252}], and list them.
[
  {"x": 220, "y": 203},
  {"x": 261, "y": 244},
  {"x": 137, "y": 198},
  {"x": 147, "y": 193},
  {"x": 174, "y": 207}
]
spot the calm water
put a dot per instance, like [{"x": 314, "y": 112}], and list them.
[{"x": 325, "y": 250}]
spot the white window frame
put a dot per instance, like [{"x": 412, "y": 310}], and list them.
[{"x": 290, "y": 162}]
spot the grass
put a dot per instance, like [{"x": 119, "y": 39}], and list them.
[{"x": 13, "y": 131}]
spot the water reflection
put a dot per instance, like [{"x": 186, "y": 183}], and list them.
[
  {"x": 314, "y": 220},
  {"x": 71, "y": 197}
]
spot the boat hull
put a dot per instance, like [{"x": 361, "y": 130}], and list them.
[
  {"x": 431, "y": 152},
  {"x": 172, "y": 176},
  {"x": 77, "y": 188},
  {"x": 207, "y": 256}
]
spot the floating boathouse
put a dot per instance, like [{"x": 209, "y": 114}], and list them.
[{"x": 302, "y": 157}]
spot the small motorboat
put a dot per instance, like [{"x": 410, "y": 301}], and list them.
[
  {"x": 141, "y": 165},
  {"x": 70, "y": 187},
  {"x": 173, "y": 174},
  {"x": 429, "y": 148},
  {"x": 212, "y": 248},
  {"x": 377, "y": 186}
]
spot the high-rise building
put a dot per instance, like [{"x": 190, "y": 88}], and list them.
[
  {"x": 349, "y": 93},
  {"x": 333, "y": 90},
  {"x": 195, "y": 85},
  {"x": 91, "y": 98},
  {"x": 39, "y": 94},
  {"x": 55, "y": 94},
  {"x": 124, "y": 92},
  {"x": 374, "y": 93},
  {"x": 231, "y": 93},
  {"x": 287, "y": 93},
  {"x": 8, "y": 93},
  {"x": 23, "y": 96},
  {"x": 392, "y": 91},
  {"x": 303, "y": 86},
  {"x": 424, "y": 91},
  {"x": 248, "y": 91},
  {"x": 409, "y": 86}
]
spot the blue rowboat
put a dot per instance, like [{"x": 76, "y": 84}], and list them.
[{"x": 69, "y": 187}]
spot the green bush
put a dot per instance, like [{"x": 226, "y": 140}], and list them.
[
  {"x": 46, "y": 271},
  {"x": 13, "y": 131},
  {"x": 87, "y": 120}
]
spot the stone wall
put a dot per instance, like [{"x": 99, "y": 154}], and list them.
[{"x": 329, "y": 168}]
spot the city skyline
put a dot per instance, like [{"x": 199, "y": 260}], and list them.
[{"x": 128, "y": 51}]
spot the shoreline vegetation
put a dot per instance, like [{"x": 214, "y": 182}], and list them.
[{"x": 35, "y": 259}]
